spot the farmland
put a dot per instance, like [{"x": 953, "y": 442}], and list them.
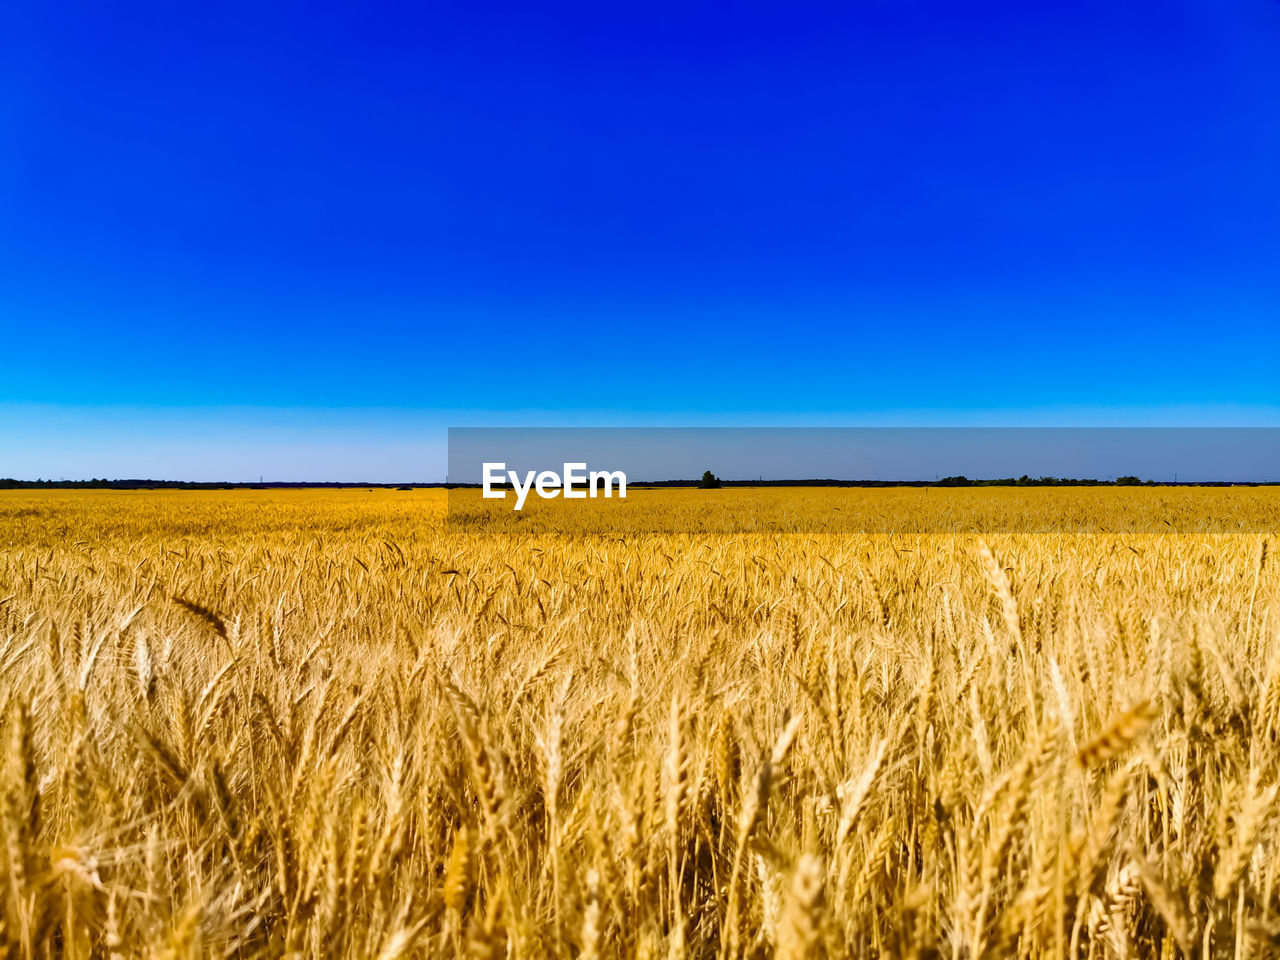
[{"x": 332, "y": 723}]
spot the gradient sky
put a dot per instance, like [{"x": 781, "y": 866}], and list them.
[{"x": 299, "y": 240}]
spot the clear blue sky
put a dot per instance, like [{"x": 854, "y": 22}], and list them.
[{"x": 299, "y": 239}]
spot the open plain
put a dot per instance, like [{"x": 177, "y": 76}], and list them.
[{"x": 252, "y": 723}]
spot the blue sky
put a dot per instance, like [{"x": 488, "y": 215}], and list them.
[{"x": 298, "y": 240}]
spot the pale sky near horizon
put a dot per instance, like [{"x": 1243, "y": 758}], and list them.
[{"x": 284, "y": 444}]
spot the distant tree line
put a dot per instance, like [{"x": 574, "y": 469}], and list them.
[
  {"x": 8, "y": 483},
  {"x": 709, "y": 481},
  {"x": 1026, "y": 481},
  {"x": 959, "y": 481}
]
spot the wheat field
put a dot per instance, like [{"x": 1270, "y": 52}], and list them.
[{"x": 321, "y": 724}]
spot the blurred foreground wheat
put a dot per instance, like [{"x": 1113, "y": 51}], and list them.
[{"x": 257, "y": 724}]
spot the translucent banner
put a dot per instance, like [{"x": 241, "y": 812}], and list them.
[{"x": 872, "y": 480}]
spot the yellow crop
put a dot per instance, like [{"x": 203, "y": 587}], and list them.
[{"x": 258, "y": 723}]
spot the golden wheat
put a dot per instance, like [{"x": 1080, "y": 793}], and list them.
[{"x": 255, "y": 723}]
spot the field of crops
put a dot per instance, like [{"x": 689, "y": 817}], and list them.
[{"x": 252, "y": 723}]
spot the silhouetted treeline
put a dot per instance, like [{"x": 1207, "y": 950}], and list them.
[
  {"x": 11, "y": 484},
  {"x": 1026, "y": 481},
  {"x": 1023, "y": 481}
]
